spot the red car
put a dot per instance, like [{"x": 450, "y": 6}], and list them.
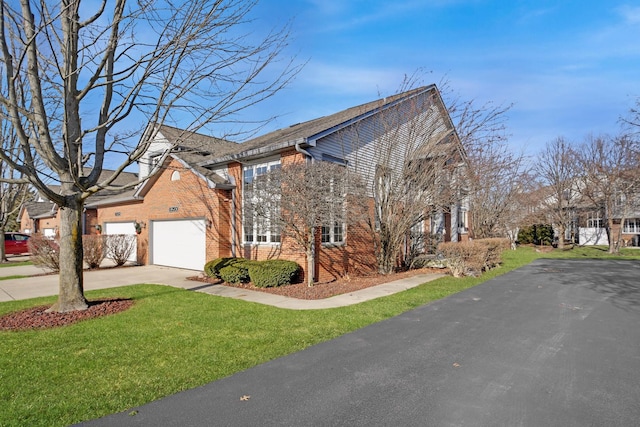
[{"x": 16, "y": 243}]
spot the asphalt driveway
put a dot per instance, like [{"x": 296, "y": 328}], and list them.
[{"x": 556, "y": 343}]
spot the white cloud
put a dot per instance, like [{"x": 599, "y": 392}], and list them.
[
  {"x": 630, "y": 14},
  {"x": 351, "y": 80}
]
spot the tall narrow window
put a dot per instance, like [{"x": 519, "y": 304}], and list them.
[{"x": 260, "y": 204}]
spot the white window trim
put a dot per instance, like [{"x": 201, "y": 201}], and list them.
[
  {"x": 631, "y": 230},
  {"x": 268, "y": 165},
  {"x": 594, "y": 220},
  {"x": 332, "y": 238}
]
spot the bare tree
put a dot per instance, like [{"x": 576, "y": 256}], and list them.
[
  {"x": 417, "y": 160},
  {"x": 305, "y": 201},
  {"x": 556, "y": 166},
  {"x": 81, "y": 83},
  {"x": 495, "y": 173},
  {"x": 610, "y": 180}
]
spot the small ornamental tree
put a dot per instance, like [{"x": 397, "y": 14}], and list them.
[{"x": 298, "y": 200}]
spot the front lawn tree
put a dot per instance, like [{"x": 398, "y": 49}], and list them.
[
  {"x": 556, "y": 167},
  {"x": 82, "y": 81},
  {"x": 303, "y": 201},
  {"x": 418, "y": 162},
  {"x": 495, "y": 172}
]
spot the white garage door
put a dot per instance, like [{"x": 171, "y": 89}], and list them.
[
  {"x": 123, "y": 228},
  {"x": 179, "y": 243}
]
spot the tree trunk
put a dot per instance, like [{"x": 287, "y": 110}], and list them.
[
  {"x": 3, "y": 255},
  {"x": 311, "y": 264},
  {"x": 610, "y": 236},
  {"x": 561, "y": 232},
  {"x": 311, "y": 256},
  {"x": 71, "y": 293},
  {"x": 388, "y": 252}
]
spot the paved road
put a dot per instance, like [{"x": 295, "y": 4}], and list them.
[{"x": 556, "y": 343}]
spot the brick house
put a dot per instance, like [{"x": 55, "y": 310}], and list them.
[
  {"x": 190, "y": 210},
  {"x": 43, "y": 217}
]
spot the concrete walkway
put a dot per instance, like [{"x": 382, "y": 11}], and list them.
[{"x": 39, "y": 285}]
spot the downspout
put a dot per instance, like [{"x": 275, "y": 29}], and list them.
[
  {"x": 314, "y": 255},
  {"x": 233, "y": 217},
  {"x": 233, "y": 222},
  {"x": 299, "y": 149}
]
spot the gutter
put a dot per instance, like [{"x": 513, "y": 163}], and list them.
[{"x": 301, "y": 150}]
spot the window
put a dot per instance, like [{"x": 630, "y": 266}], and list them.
[
  {"x": 260, "y": 207},
  {"x": 333, "y": 234},
  {"x": 594, "y": 220},
  {"x": 462, "y": 220},
  {"x": 631, "y": 225}
]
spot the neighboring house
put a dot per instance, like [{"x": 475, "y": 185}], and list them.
[
  {"x": 591, "y": 227},
  {"x": 192, "y": 211},
  {"x": 586, "y": 224},
  {"x": 39, "y": 217},
  {"x": 42, "y": 216}
]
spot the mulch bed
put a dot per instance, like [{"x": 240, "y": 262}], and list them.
[
  {"x": 328, "y": 289},
  {"x": 38, "y": 318}
]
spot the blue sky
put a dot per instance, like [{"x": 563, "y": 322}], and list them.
[{"x": 571, "y": 68}]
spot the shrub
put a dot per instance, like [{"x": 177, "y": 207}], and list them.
[
  {"x": 119, "y": 247},
  {"x": 473, "y": 257},
  {"x": 464, "y": 258},
  {"x": 537, "y": 234},
  {"x": 273, "y": 273},
  {"x": 234, "y": 273},
  {"x": 212, "y": 268},
  {"x": 495, "y": 246},
  {"x": 45, "y": 252},
  {"x": 93, "y": 247},
  {"x": 236, "y": 270},
  {"x": 263, "y": 274}
]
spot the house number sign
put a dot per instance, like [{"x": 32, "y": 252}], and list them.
[{"x": 173, "y": 209}]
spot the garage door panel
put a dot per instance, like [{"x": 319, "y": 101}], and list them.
[{"x": 179, "y": 243}]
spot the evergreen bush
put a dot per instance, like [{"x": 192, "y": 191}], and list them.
[
  {"x": 212, "y": 268},
  {"x": 273, "y": 273}
]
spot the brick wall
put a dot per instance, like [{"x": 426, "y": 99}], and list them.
[{"x": 170, "y": 198}]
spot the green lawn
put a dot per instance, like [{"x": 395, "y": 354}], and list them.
[
  {"x": 172, "y": 340},
  {"x": 14, "y": 263},
  {"x": 12, "y": 277}
]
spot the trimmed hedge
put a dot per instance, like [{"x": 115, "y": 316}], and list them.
[
  {"x": 212, "y": 268},
  {"x": 273, "y": 273},
  {"x": 236, "y": 271},
  {"x": 263, "y": 274}
]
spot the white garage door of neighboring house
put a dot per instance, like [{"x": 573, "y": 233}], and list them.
[
  {"x": 49, "y": 233},
  {"x": 123, "y": 228},
  {"x": 179, "y": 243}
]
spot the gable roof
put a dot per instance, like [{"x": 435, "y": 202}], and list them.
[
  {"x": 304, "y": 133},
  {"x": 195, "y": 144},
  {"x": 113, "y": 195},
  {"x": 40, "y": 209}
]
